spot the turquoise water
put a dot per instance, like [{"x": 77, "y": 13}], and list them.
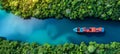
[{"x": 55, "y": 31}]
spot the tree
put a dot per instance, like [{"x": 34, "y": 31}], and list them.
[{"x": 91, "y": 48}]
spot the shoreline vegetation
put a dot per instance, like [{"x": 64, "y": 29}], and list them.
[
  {"x": 72, "y": 9},
  {"x": 15, "y": 47}
]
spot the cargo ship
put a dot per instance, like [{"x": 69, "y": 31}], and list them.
[{"x": 88, "y": 30}]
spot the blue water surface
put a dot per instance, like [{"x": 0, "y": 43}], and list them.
[{"x": 55, "y": 31}]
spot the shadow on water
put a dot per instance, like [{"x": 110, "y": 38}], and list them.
[
  {"x": 4, "y": 38},
  {"x": 101, "y": 34},
  {"x": 97, "y": 21}
]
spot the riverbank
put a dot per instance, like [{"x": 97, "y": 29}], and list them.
[
  {"x": 77, "y": 9},
  {"x": 15, "y": 47}
]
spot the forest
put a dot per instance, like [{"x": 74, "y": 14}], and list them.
[
  {"x": 71, "y": 9},
  {"x": 17, "y": 47}
]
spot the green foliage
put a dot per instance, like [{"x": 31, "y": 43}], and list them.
[
  {"x": 91, "y": 48},
  {"x": 15, "y": 47},
  {"x": 73, "y": 9}
]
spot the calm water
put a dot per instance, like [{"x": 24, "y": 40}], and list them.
[{"x": 55, "y": 31}]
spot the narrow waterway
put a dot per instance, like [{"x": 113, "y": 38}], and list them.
[{"x": 55, "y": 31}]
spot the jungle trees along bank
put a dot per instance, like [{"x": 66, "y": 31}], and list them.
[
  {"x": 72, "y": 9},
  {"x": 15, "y": 47}
]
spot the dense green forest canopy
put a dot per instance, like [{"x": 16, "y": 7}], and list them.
[
  {"x": 72, "y": 9},
  {"x": 15, "y": 47}
]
